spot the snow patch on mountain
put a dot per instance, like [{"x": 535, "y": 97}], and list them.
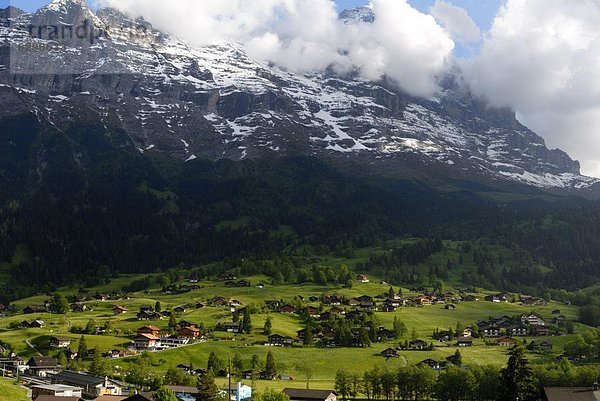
[
  {"x": 215, "y": 101},
  {"x": 358, "y": 15}
]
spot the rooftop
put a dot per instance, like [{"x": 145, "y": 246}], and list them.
[
  {"x": 78, "y": 379},
  {"x": 147, "y": 336},
  {"x": 42, "y": 362},
  {"x": 294, "y": 393},
  {"x": 56, "y": 387},
  {"x": 53, "y": 398},
  {"x": 572, "y": 394}
]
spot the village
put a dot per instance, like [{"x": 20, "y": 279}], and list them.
[{"x": 332, "y": 320}]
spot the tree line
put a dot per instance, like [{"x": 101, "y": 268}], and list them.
[{"x": 516, "y": 381}]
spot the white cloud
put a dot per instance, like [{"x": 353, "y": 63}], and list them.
[
  {"x": 542, "y": 58},
  {"x": 457, "y": 21},
  {"x": 577, "y": 133},
  {"x": 403, "y": 43}
]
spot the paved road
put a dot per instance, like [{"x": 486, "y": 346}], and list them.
[{"x": 28, "y": 342}]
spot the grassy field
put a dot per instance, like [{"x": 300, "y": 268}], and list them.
[
  {"x": 299, "y": 362},
  {"x": 321, "y": 363},
  {"x": 9, "y": 391}
]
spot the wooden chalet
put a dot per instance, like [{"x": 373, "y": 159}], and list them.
[
  {"x": 152, "y": 330},
  {"x": 506, "y": 341},
  {"x": 390, "y": 353}
]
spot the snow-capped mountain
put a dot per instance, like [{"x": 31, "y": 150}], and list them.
[
  {"x": 358, "y": 14},
  {"x": 216, "y": 102}
]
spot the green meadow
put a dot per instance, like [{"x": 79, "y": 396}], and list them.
[
  {"x": 302, "y": 363},
  {"x": 9, "y": 391}
]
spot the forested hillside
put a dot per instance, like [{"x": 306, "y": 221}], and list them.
[{"x": 79, "y": 207}]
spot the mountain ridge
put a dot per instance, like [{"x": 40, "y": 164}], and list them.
[{"x": 216, "y": 102}]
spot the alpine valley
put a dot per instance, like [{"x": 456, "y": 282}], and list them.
[{"x": 177, "y": 218}]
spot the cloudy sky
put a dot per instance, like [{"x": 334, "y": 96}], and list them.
[{"x": 539, "y": 57}]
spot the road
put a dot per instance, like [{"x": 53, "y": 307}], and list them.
[{"x": 30, "y": 345}]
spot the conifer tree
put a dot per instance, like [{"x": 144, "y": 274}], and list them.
[
  {"x": 207, "y": 388},
  {"x": 82, "y": 348},
  {"x": 517, "y": 378},
  {"x": 270, "y": 367},
  {"x": 267, "y": 330},
  {"x": 246, "y": 322}
]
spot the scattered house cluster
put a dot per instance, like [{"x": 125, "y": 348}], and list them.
[
  {"x": 528, "y": 300},
  {"x": 416, "y": 345},
  {"x": 150, "y": 337},
  {"x": 423, "y": 300},
  {"x": 32, "y": 324},
  {"x": 148, "y": 313},
  {"x": 355, "y": 308},
  {"x": 388, "y": 302},
  {"x": 237, "y": 284},
  {"x": 219, "y": 301},
  {"x": 527, "y": 325},
  {"x": 77, "y": 301},
  {"x": 464, "y": 338},
  {"x": 500, "y": 297},
  {"x": 181, "y": 288}
]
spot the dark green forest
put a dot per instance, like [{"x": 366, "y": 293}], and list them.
[{"x": 87, "y": 206}]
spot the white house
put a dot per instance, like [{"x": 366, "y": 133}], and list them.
[
  {"x": 239, "y": 392},
  {"x": 55, "y": 390}
]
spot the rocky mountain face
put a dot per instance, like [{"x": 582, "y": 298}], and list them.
[
  {"x": 67, "y": 64},
  {"x": 357, "y": 14}
]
